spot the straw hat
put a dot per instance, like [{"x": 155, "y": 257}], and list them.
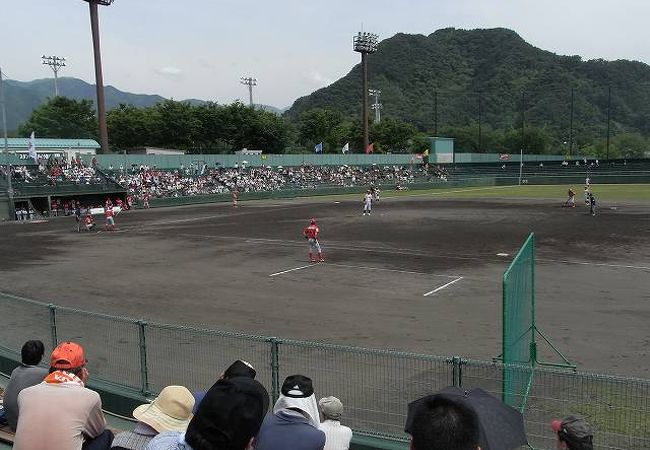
[{"x": 170, "y": 411}]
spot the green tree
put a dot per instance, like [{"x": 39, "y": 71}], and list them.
[
  {"x": 129, "y": 127},
  {"x": 64, "y": 118},
  {"x": 392, "y": 135}
]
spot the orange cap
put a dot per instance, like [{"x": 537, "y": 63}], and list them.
[{"x": 68, "y": 355}]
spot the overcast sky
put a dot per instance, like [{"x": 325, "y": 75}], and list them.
[{"x": 201, "y": 48}]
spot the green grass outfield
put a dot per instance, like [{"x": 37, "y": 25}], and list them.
[{"x": 603, "y": 192}]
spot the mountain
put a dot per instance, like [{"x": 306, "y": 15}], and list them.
[
  {"x": 22, "y": 97},
  {"x": 461, "y": 72}
]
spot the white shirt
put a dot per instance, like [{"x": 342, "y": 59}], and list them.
[
  {"x": 337, "y": 436},
  {"x": 367, "y": 199}
]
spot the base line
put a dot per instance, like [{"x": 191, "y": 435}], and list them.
[
  {"x": 442, "y": 287},
  {"x": 291, "y": 270}
]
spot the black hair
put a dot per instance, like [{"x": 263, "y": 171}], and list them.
[
  {"x": 575, "y": 443},
  {"x": 32, "y": 352},
  {"x": 443, "y": 424}
]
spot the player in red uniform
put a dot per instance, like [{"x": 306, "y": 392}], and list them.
[
  {"x": 311, "y": 234},
  {"x": 110, "y": 221}
]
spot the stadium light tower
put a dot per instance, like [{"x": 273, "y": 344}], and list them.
[
  {"x": 250, "y": 82},
  {"x": 365, "y": 43},
  {"x": 376, "y": 106},
  {"x": 10, "y": 191},
  {"x": 55, "y": 64},
  {"x": 99, "y": 79}
]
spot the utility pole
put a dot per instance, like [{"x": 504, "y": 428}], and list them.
[
  {"x": 609, "y": 108},
  {"x": 99, "y": 78},
  {"x": 250, "y": 82},
  {"x": 376, "y": 105},
  {"x": 435, "y": 113},
  {"x": 571, "y": 126},
  {"x": 479, "y": 121},
  {"x": 365, "y": 43},
  {"x": 523, "y": 118},
  {"x": 10, "y": 191},
  {"x": 55, "y": 64}
]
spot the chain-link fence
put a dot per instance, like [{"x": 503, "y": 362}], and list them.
[{"x": 374, "y": 385}]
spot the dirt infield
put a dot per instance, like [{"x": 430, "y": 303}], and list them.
[{"x": 246, "y": 270}]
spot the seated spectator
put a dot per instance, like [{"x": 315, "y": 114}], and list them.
[
  {"x": 229, "y": 417},
  {"x": 337, "y": 436},
  {"x": 170, "y": 411},
  {"x": 61, "y": 413},
  {"x": 23, "y": 376},
  {"x": 239, "y": 368},
  {"x": 439, "y": 423},
  {"x": 295, "y": 421},
  {"x": 573, "y": 433}
]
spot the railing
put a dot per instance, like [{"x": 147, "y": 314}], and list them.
[{"x": 374, "y": 385}]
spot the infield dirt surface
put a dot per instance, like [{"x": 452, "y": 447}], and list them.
[{"x": 245, "y": 269}]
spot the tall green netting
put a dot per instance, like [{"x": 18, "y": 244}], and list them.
[{"x": 518, "y": 350}]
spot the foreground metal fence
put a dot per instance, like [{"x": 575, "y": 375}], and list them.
[{"x": 374, "y": 385}]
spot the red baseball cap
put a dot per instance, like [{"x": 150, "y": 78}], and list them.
[{"x": 68, "y": 355}]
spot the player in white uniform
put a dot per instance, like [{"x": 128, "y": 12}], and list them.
[{"x": 367, "y": 203}]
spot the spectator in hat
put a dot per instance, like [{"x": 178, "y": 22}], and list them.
[
  {"x": 61, "y": 413},
  {"x": 228, "y": 418},
  {"x": 23, "y": 376},
  {"x": 573, "y": 433},
  {"x": 295, "y": 421},
  {"x": 440, "y": 423},
  {"x": 337, "y": 436},
  {"x": 239, "y": 368},
  {"x": 170, "y": 411}
]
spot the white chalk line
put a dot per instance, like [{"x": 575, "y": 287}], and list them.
[
  {"x": 294, "y": 269},
  {"x": 440, "y": 288}
]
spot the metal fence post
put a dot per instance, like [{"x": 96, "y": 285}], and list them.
[
  {"x": 52, "y": 309},
  {"x": 456, "y": 371},
  {"x": 144, "y": 374},
  {"x": 275, "y": 368}
]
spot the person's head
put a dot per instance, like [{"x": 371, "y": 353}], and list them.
[
  {"x": 440, "y": 423},
  {"x": 240, "y": 368},
  {"x": 170, "y": 411},
  {"x": 297, "y": 394},
  {"x": 573, "y": 433},
  {"x": 32, "y": 352},
  {"x": 229, "y": 416},
  {"x": 312, "y": 221},
  {"x": 331, "y": 408},
  {"x": 69, "y": 357}
]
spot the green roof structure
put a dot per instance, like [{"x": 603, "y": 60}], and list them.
[{"x": 45, "y": 143}]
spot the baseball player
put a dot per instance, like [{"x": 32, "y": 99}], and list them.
[
  {"x": 592, "y": 204},
  {"x": 311, "y": 234},
  {"x": 367, "y": 203},
  {"x": 587, "y": 195},
  {"x": 571, "y": 201}
]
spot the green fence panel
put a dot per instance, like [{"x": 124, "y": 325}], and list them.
[
  {"x": 22, "y": 320},
  {"x": 374, "y": 386},
  {"x": 195, "y": 358},
  {"x": 111, "y": 344},
  {"x": 519, "y": 323},
  {"x": 618, "y": 408}
]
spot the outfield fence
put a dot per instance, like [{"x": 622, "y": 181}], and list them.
[{"x": 374, "y": 385}]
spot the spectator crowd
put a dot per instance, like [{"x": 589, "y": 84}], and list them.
[
  {"x": 54, "y": 409},
  {"x": 147, "y": 182}
]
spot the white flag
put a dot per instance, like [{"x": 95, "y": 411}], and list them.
[
  {"x": 346, "y": 148},
  {"x": 31, "y": 148}
]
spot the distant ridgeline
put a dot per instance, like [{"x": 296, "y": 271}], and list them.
[{"x": 458, "y": 78}]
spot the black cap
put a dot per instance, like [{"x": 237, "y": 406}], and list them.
[
  {"x": 297, "y": 386},
  {"x": 240, "y": 369},
  {"x": 229, "y": 415}
]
